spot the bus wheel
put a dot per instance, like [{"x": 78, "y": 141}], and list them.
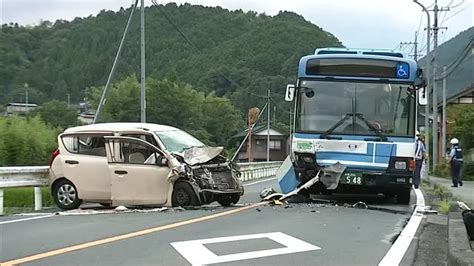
[{"x": 403, "y": 196}]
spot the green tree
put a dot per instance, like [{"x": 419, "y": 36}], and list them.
[
  {"x": 57, "y": 114},
  {"x": 464, "y": 127}
]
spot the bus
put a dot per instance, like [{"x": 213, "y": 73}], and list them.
[{"x": 356, "y": 107}]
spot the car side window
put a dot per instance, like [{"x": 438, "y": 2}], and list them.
[
  {"x": 130, "y": 152},
  {"x": 85, "y": 144},
  {"x": 146, "y": 137}
]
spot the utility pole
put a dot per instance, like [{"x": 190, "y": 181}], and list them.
[
  {"x": 68, "y": 101},
  {"x": 268, "y": 125},
  {"x": 415, "y": 44},
  {"x": 142, "y": 78},
  {"x": 427, "y": 89},
  {"x": 114, "y": 65},
  {"x": 443, "y": 139},
  {"x": 435, "y": 95}
]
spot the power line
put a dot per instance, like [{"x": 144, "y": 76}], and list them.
[{"x": 190, "y": 43}]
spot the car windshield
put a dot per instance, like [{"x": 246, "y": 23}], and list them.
[
  {"x": 178, "y": 140},
  {"x": 355, "y": 108}
]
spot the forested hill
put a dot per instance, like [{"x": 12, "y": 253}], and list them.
[{"x": 231, "y": 52}]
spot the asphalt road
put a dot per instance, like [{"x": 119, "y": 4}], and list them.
[{"x": 299, "y": 234}]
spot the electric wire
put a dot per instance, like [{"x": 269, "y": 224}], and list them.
[{"x": 192, "y": 45}]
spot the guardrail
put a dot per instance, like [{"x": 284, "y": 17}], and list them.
[{"x": 37, "y": 177}]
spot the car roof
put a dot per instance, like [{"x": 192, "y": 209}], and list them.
[{"x": 120, "y": 127}]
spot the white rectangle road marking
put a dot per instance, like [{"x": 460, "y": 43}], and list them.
[{"x": 196, "y": 253}]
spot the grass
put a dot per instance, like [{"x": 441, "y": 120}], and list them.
[
  {"x": 25, "y": 198},
  {"x": 444, "y": 206}
]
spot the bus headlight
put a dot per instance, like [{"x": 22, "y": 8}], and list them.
[{"x": 400, "y": 165}]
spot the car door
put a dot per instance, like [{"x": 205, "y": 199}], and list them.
[
  {"x": 139, "y": 172},
  {"x": 84, "y": 163}
]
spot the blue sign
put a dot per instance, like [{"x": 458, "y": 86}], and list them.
[{"x": 402, "y": 70}]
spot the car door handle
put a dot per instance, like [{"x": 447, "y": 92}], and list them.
[
  {"x": 120, "y": 172},
  {"x": 72, "y": 162}
]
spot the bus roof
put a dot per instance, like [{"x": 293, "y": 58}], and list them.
[{"x": 382, "y": 55}]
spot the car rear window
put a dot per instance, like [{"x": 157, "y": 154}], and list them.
[{"x": 86, "y": 144}]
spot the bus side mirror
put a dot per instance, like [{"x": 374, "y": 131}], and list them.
[
  {"x": 419, "y": 81},
  {"x": 290, "y": 92},
  {"x": 422, "y": 100}
]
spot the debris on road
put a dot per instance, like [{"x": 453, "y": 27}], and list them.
[
  {"x": 360, "y": 205},
  {"x": 426, "y": 210},
  {"x": 121, "y": 208},
  {"x": 117, "y": 210}
]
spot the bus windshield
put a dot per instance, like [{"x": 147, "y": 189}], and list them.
[{"x": 355, "y": 108}]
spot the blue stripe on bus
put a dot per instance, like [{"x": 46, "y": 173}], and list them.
[{"x": 384, "y": 151}]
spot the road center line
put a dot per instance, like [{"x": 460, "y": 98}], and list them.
[
  {"x": 27, "y": 219},
  {"x": 125, "y": 236},
  {"x": 395, "y": 254}
]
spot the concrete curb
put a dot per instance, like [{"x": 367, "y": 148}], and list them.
[{"x": 459, "y": 248}]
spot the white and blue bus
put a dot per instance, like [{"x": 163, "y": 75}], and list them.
[{"x": 356, "y": 107}]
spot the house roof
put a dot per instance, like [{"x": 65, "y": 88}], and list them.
[{"x": 259, "y": 129}]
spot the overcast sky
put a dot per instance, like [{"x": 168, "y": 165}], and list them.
[{"x": 361, "y": 23}]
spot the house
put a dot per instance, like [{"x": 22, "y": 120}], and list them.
[
  {"x": 20, "y": 108},
  {"x": 278, "y": 144}
]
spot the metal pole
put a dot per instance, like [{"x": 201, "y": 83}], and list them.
[
  {"x": 142, "y": 78},
  {"x": 112, "y": 71},
  {"x": 443, "y": 141},
  {"x": 26, "y": 93},
  {"x": 428, "y": 76},
  {"x": 268, "y": 125},
  {"x": 435, "y": 95},
  {"x": 38, "y": 199},
  {"x": 415, "y": 55}
]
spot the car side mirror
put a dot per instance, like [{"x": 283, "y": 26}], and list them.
[
  {"x": 162, "y": 161},
  {"x": 290, "y": 92}
]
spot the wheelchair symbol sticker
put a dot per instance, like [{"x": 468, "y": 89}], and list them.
[{"x": 402, "y": 71}]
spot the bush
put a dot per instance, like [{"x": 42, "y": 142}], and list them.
[
  {"x": 443, "y": 169},
  {"x": 24, "y": 197},
  {"x": 468, "y": 171}
]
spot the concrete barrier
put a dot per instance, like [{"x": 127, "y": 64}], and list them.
[{"x": 459, "y": 249}]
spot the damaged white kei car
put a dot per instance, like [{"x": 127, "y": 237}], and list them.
[{"x": 139, "y": 164}]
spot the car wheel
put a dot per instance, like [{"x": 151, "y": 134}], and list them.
[
  {"x": 227, "y": 199},
  {"x": 65, "y": 195},
  {"x": 183, "y": 195},
  {"x": 403, "y": 196}
]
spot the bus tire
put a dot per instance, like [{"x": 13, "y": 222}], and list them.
[{"x": 403, "y": 196}]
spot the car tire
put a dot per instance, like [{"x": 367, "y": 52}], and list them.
[
  {"x": 403, "y": 196},
  {"x": 228, "y": 199},
  {"x": 183, "y": 195},
  {"x": 65, "y": 195}
]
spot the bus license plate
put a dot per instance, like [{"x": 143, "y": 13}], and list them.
[{"x": 352, "y": 179}]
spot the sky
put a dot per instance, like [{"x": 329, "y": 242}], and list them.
[{"x": 358, "y": 24}]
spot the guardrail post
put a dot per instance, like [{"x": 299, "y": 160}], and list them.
[
  {"x": 38, "y": 199},
  {"x": 1, "y": 201}
]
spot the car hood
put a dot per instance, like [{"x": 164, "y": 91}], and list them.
[{"x": 200, "y": 155}]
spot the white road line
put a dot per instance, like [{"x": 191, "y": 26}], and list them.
[
  {"x": 27, "y": 219},
  {"x": 260, "y": 181},
  {"x": 395, "y": 255},
  {"x": 196, "y": 253}
]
